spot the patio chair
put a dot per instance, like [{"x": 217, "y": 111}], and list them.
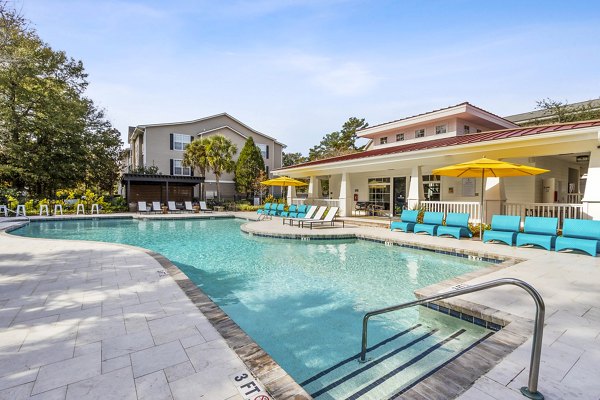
[
  {"x": 172, "y": 207},
  {"x": 580, "y": 234},
  {"x": 156, "y": 207},
  {"x": 504, "y": 229},
  {"x": 189, "y": 207},
  {"x": 540, "y": 231},
  {"x": 291, "y": 209},
  {"x": 328, "y": 219},
  {"x": 264, "y": 210},
  {"x": 407, "y": 222},
  {"x": 457, "y": 225},
  {"x": 142, "y": 207},
  {"x": 430, "y": 224},
  {"x": 4, "y": 210},
  {"x": 279, "y": 208},
  {"x": 300, "y": 211},
  {"x": 310, "y": 213},
  {"x": 204, "y": 208}
]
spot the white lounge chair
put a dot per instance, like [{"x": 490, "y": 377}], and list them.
[
  {"x": 189, "y": 207},
  {"x": 203, "y": 207},
  {"x": 156, "y": 207},
  {"x": 316, "y": 217},
  {"x": 142, "y": 207},
  {"x": 172, "y": 208},
  {"x": 309, "y": 214},
  {"x": 329, "y": 219}
]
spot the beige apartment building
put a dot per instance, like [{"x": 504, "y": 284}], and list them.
[{"x": 163, "y": 145}]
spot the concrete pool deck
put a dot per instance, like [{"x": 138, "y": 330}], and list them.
[{"x": 82, "y": 318}]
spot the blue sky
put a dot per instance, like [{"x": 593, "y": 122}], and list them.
[{"x": 297, "y": 70}]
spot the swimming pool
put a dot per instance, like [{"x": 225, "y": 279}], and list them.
[{"x": 303, "y": 301}]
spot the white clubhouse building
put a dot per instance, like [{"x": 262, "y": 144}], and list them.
[{"x": 395, "y": 170}]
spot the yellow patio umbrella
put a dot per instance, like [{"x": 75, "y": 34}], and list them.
[
  {"x": 487, "y": 168},
  {"x": 283, "y": 181}
]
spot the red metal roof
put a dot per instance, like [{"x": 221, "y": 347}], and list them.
[{"x": 456, "y": 141}]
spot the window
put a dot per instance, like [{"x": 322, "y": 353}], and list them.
[
  {"x": 179, "y": 169},
  {"x": 264, "y": 150},
  {"x": 431, "y": 187},
  {"x": 420, "y": 133},
  {"x": 383, "y": 140},
  {"x": 467, "y": 129},
  {"x": 180, "y": 141},
  {"x": 379, "y": 192},
  {"x": 439, "y": 129},
  {"x": 478, "y": 130},
  {"x": 399, "y": 137}
]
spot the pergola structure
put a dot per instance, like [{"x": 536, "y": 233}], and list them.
[{"x": 163, "y": 188}]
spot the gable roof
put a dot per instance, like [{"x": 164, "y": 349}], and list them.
[
  {"x": 455, "y": 141},
  {"x": 463, "y": 104},
  {"x": 224, "y": 114}
]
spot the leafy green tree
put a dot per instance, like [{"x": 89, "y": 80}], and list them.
[
  {"x": 219, "y": 154},
  {"x": 293, "y": 159},
  {"x": 195, "y": 156},
  {"x": 339, "y": 142},
  {"x": 556, "y": 111},
  {"x": 248, "y": 167},
  {"x": 51, "y": 136}
]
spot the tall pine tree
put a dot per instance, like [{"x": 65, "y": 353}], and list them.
[{"x": 249, "y": 165}]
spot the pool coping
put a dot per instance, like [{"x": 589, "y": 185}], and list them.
[{"x": 450, "y": 379}]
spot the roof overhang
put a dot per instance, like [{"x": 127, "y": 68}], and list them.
[
  {"x": 551, "y": 143},
  {"x": 154, "y": 179}
]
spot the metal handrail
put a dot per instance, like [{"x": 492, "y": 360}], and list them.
[{"x": 530, "y": 390}]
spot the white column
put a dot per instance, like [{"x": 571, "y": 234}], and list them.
[
  {"x": 313, "y": 188},
  {"x": 591, "y": 197},
  {"x": 494, "y": 197},
  {"x": 415, "y": 188},
  {"x": 291, "y": 194},
  {"x": 346, "y": 199}
]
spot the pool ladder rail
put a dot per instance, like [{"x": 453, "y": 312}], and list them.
[{"x": 529, "y": 391}]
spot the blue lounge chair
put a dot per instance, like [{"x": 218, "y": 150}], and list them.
[
  {"x": 580, "y": 234},
  {"x": 300, "y": 212},
  {"x": 291, "y": 209},
  {"x": 457, "y": 225},
  {"x": 408, "y": 220},
  {"x": 277, "y": 210},
  {"x": 265, "y": 209},
  {"x": 539, "y": 231},
  {"x": 504, "y": 229},
  {"x": 431, "y": 222}
]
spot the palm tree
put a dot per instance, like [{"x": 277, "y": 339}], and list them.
[
  {"x": 219, "y": 155},
  {"x": 195, "y": 157}
]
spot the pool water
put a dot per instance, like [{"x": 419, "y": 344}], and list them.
[{"x": 303, "y": 301}]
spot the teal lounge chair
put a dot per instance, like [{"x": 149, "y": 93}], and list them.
[
  {"x": 265, "y": 209},
  {"x": 300, "y": 212},
  {"x": 408, "y": 221},
  {"x": 580, "y": 234},
  {"x": 540, "y": 231},
  {"x": 504, "y": 229},
  {"x": 457, "y": 225},
  {"x": 277, "y": 210},
  {"x": 431, "y": 222},
  {"x": 291, "y": 209}
]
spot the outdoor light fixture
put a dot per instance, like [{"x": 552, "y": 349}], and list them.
[{"x": 582, "y": 158}]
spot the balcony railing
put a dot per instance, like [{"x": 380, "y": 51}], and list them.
[
  {"x": 473, "y": 208},
  {"x": 316, "y": 202},
  {"x": 557, "y": 210}
]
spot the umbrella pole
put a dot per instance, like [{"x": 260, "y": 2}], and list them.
[{"x": 481, "y": 222}]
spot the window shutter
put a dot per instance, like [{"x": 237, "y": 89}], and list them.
[
  {"x": 267, "y": 152},
  {"x": 191, "y": 171},
  {"x": 191, "y": 138},
  {"x": 171, "y": 161},
  {"x": 171, "y": 147}
]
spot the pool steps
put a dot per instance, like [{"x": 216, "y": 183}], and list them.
[{"x": 396, "y": 364}]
